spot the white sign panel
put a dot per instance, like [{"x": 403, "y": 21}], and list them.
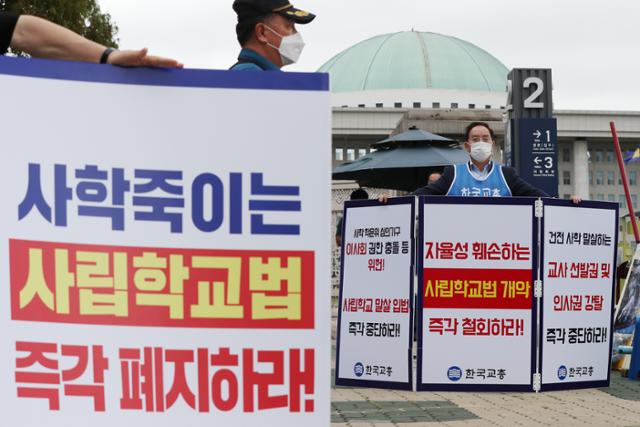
[
  {"x": 476, "y": 261},
  {"x": 374, "y": 323},
  {"x": 578, "y": 266},
  {"x": 164, "y": 246}
]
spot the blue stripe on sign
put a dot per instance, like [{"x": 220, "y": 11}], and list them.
[
  {"x": 98, "y": 73},
  {"x": 275, "y": 205},
  {"x": 259, "y": 189}
]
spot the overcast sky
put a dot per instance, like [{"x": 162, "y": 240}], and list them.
[{"x": 592, "y": 46}]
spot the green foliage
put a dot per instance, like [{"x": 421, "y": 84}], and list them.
[{"x": 81, "y": 16}]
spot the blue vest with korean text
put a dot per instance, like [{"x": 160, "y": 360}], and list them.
[{"x": 465, "y": 184}]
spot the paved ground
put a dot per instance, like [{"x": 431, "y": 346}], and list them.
[{"x": 618, "y": 405}]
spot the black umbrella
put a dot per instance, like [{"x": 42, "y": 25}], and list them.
[
  {"x": 414, "y": 135},
  {"x": 402, "y": 162}
]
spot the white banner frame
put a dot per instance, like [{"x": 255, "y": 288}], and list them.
[
  {"x": 545, "y": 313},
  {"x": 360, "y": 366},
  {"x": 466, "y": 204},
  {"x": 238, "y": 125}
]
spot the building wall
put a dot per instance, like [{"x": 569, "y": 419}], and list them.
[
  {"x": 603, "y": 180},
  {"x": 421, "y": 98}
]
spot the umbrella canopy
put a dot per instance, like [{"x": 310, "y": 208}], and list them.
[
  {"x": 412, "y": 136},
  {"x": 402, "y": 168},
  {"x": 403, "y": 161}
]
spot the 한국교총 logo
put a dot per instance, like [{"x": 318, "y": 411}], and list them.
[
  {"x": 358, "y": 369},
  {"x": 454, "y": 373},
  {"x": 562, "y": 372}
]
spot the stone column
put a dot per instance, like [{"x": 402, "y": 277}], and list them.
[{"x": 580, "y": 169}]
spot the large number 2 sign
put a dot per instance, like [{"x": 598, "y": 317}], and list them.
[
  {"x": 530, "y": 101},
  {"x": 533, "y": 101}
]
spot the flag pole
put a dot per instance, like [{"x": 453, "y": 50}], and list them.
[{"x": 625, "y": 182}]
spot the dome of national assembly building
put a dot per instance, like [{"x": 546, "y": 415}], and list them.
[{"x": 416, "y": 69}]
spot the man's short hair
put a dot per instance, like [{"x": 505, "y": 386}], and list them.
[
  {"x": 359, "y": 194},
  {"x": 483, "y": 124},
  {"x": 245, "y": 28}
]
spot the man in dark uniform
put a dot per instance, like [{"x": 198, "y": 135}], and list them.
[
  {"x": 267, "y": 32},
  {"x": 41, "y": 38}
]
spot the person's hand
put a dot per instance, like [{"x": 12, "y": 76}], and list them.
[
  {"x": 383, "y": 198},
  {"x": 139, "y": 58},
  {"x": 576, "y": 199}
]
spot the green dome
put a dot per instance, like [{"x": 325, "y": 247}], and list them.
[{"x": 415, "y": 60}]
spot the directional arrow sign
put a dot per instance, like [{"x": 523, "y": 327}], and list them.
[{"x": 537, "y": 141}]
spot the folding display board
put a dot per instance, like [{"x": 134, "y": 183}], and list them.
[
  {"x": 514, "y": 294},
  {"x": 374, "y": 337}
]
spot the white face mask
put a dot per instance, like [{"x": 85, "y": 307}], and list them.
[
  {"x": 290, "y": 47},
  {"x": 481, "y": 151}
]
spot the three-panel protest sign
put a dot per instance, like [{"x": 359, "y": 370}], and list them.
[{"x": 512, "y": 294}]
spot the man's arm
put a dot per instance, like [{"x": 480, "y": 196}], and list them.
[
  {"x": 440, "y": 187},
  {"x": 41, "y": 38},
  {"x": 520, "y": 187}
]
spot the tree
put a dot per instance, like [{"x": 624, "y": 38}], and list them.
[{"x": 81, "y": 16}]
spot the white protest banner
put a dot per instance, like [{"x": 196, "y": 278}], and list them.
[
  {"x": 374, "y": 337},
  {"x": 164, "y": 246},
  {"x": 476, "y": 271},
  {"x": 578, "y": 271}
]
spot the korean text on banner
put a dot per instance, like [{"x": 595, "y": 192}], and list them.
[
  {"x": 376, "y": 288},
  {"x": 476, "y": 272},
  {"x": 164, "y": 246},
  {"x": 578, "y": 269}
]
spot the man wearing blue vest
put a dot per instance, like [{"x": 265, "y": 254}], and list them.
[
  {"x": 481, "y": 176},
  {"x": 266, "y": 30}
]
